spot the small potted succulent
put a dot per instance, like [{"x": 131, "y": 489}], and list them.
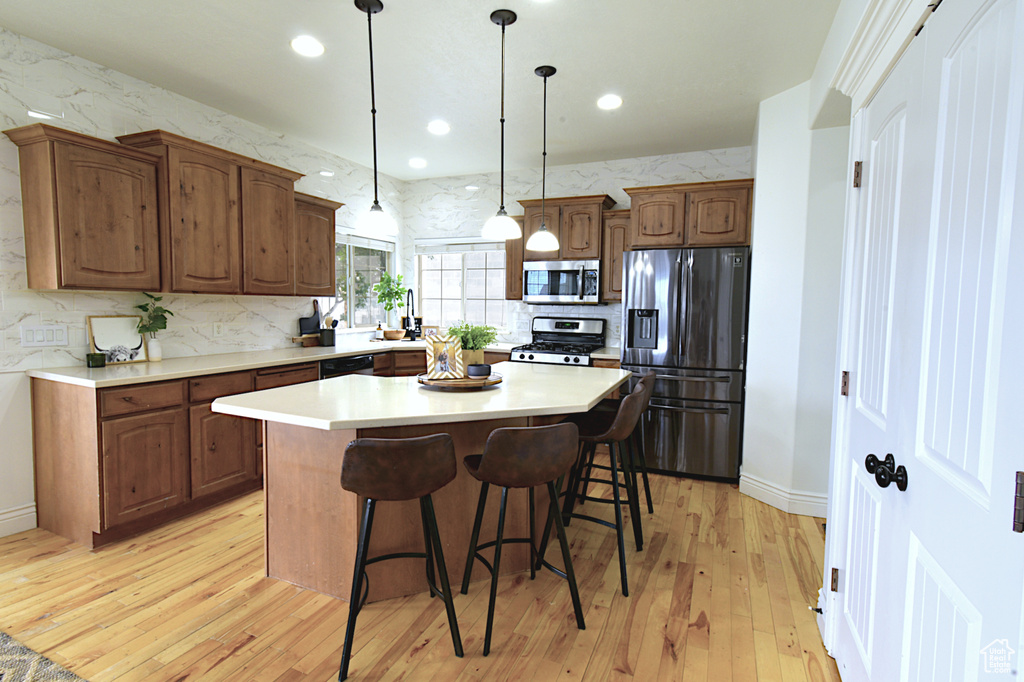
[
  {"x": 474, "y": 339},
  {"x": 152, "y": 320}
]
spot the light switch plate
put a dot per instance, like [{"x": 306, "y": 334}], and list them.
[{"x": 37, "y": 335}]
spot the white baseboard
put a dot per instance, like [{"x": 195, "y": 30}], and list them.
[
  {"x": 17, "y": 519},
  {"x": 792, "y": 501}
]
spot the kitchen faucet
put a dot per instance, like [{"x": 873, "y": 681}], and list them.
[{"x": 410, "y": 315}]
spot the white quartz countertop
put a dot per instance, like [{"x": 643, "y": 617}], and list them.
[
  {"x": 180, "y": 368},
  {"x": 360, "y": 401}
]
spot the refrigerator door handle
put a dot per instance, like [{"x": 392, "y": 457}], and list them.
[
  {"x": 695, "y": 410},
  {"x": 684, "y": 308},
  {"x": 671, "y": 377}
]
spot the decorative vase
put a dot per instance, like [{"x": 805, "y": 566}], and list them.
[
  {"x": 154, "y": 350},
  {"x": 472, "y": 357}
]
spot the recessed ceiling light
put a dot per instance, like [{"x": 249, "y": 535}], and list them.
[
  {"x": 307, "y": 46},
  {"x": 327, "y": 173},
  {"x": 610, "y": 102},
  {"x": 417, "y": 162},
  {"x": 439, "y": 127},
  {"x": 472, "y": 188}
]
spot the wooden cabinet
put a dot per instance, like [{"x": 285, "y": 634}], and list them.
[
  {"x": 268, "y": 233},
  {"x": 614, "y": 243},
  {"x": 314, "y": 245},
  {"x": 287, "y": 375},
  {"x": 223, "y": 448},
  {"x": 409, "y": 363},
  {"x": 493, "y": 357},
  {"x": 514, "y": 264},
  {"x": 575, "y": 221},
  {"x": 612, "y": 364},
  {"x": 698, "y": 214},
  {"x": 90, "y": 211}
]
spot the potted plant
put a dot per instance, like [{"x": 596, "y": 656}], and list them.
[
  {"x": 474, "y": 339},
  {"x": 152, "y": 320},
  {"x": 389, "y": 290}
]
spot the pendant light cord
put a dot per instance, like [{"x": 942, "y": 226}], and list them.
[
  {"x": 544, "y": 156},
  {"x": 373, "y": 107},
  {"x": 502, "y": 209}
]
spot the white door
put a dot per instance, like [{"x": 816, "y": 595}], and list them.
[{"x": 932, "y": 577}]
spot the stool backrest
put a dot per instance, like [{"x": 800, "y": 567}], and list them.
[
  {"x": 398, "y": 468},
  {"x": 630, "y": 409},
  {"x": 523, "y": 457},
  {"x": 646, "y": 387}
]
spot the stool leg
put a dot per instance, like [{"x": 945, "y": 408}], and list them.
[
  {"x": 427, "y": 508},
  {"x": 357, "y": 581},
  {"x": 618, "y": 522},
  {"x": 570, "y": 574},
  {"x": 547, "y": 527},
  {"x": 590, "y": 472},
  {"x": 638, "y": 443},
  {"x": 632, "y": 496},
  {"x": 494, "y": 573},
  {"x": 474, "y": 537},
  {"x": 572, "y": 485},
  {"x": 533, "y": 545},
  {"x": 431, "y": 579}
]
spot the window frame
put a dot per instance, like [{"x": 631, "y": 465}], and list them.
[{"x": 454, "y": 249}]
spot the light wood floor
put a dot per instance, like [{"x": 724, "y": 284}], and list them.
[{"x": 720, "y": 592}]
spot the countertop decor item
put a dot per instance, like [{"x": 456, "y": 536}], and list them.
[
  {"x": 153, "y": 319},
  {"x": 478, "y": 371},
  {"x": 474, "y": 338},
  {"x": 394, "y": 334},
  {"x": 118, "y": 338},
  {"x": 375, "y": 220},
  {"x": 543, "y": 239},
  {"x": 500, "y": 226},
  {"x": 465, "y": 384},
  {"x": 444, "y": 358},
  {"x": 311, "y": 324},
  {"x": 95, "y": 360}
]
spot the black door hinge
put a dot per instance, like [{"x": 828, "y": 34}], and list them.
[
  {"x": 1018, "y": 504},
  {"x": 858, "y": 167},
  {"x": 835, "y": 579},
  {"x": 844, "y": 384}
]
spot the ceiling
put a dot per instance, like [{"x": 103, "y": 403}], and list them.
[{"x": 690, "y": 72}]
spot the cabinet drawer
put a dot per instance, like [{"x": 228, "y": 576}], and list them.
[
  {"x": 273, "y": 378},
  {"x": 384, "y": 365},
  {"x": 217, "y": 385},
  {"x": 410, "y": 362},
  {"x": 140, "y": 398}
]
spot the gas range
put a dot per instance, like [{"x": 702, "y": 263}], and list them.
[{"x": 561, "y": 341}]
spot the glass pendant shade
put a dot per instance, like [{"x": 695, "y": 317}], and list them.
[
  {"x": 501, "y": 227},
  {"x": 542, "y": 240},
  {"x": 377, "y": 222}
]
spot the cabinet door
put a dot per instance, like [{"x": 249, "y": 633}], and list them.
[
  {"x": 223, "y": 450},
  {"x": 107, "y": 221},
  {"x": 514, "y": 265},
  {"x": 145, "y": 464},
  {"x": 268, "y": 233},
  {"x": 314, "y": 249},
  {"x": 409, "y": 363},
  {"x": 580, "y": 234},
  {"x": 657, "y": 220},
  {"x": 718, "y": 217},
  {"x": 613, "y": 245},
  {"x": 531, "y": 223},
  {"x": 205, "y": 229}
]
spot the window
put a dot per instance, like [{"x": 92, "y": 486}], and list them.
[
  {"x": 358, "y": 265},
  {"x": 466, "y": 286}
]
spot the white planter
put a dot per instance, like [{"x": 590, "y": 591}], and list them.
[{"x": 154, "y": 350}]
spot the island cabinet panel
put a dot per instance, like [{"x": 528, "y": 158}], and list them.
[
  {"x": 314, "y": 245},
  {"x": 717, "y": 217},
  {"x": 90, "y": 209},
  {"x": 145, "y": 464},
  {"x": 493, "y": 357},
  {"x": 614, "y": 243},
  {"x": 268, "y": 233},
  {"x": 204, "y": 229},
  {"x": 514, "y": 265}
]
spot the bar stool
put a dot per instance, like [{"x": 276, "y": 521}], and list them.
[
  {"x": 522, "y": 457},
  {"x": 635, "y": 447},
  {"x": 393, "y": 470},
  {"x": 596, "y": 428}
]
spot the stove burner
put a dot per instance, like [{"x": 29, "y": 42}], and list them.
[{"x": 553, "y": 346}]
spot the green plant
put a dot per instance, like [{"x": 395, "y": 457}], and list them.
[
  {"x": 473, "y": 336},
  {"x": 389, "y": 290},
  {"x": 154, "y": 316}
]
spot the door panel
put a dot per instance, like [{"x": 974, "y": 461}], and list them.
[
  {"x": 653, "y": 282},
  {"x": 714, "y": 308}
]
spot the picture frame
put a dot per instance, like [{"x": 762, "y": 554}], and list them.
[
  {"x": 430, "y": 330},
  {"x": 444, "y": 357},
  {"x": 118, "y": 338}
]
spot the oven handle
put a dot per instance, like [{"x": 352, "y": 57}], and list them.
[
  {"x": 697, "y": 410},
  {"x": 671, "y": 377},
  {"x": 581, "y": 282}
]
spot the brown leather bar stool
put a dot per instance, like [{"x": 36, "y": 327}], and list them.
[
  {"x": 522, "y": 457},
  {"x": 393, "y": 470},
  {"x": 596, "y": 428}
]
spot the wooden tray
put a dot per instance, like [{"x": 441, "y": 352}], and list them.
[{"x": 460, "y": 384}]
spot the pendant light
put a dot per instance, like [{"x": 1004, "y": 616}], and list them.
[
  {"x": 375, "y": 220},
  {"x": 501, "y": 226},
  {"x": 543, "y": 239}
]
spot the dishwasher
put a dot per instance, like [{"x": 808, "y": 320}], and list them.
[{"x": 337, "y": 367}]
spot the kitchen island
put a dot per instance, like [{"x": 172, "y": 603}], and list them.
[{"x": 312, "y": 523}]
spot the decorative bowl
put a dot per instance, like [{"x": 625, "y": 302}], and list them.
[
  {"x": 394, "y": 334},
  {"x": 478, "y": 371}
]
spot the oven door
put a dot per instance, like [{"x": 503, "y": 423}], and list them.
[{"x": 561, "y": 282}]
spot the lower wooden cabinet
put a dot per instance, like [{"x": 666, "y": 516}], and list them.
[{"x": 223, "y": 452}]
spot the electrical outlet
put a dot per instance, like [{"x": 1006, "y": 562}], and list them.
[
  {"x": 37, "y": 335},
  {"x": 218, "y": 329}
]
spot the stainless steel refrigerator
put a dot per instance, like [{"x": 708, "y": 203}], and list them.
[{"x": 685, "y": 317}]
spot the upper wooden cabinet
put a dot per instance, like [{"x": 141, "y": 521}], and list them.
[
  {"x": 90, "y": 211},
  {"x": 614, "y": 242},
  {"x": 514, "y": 264},
  {"x": 697, "y": 214},
  {"x": 575, "y": 221},
  {"x": 314, "y": 245},
  {"x": 268, "y": 233}
]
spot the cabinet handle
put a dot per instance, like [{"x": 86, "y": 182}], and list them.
[
  {"x": 696, "y": 410},
  {"x": 671, "y": 377}
]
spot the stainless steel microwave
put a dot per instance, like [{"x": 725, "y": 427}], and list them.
[{"x": 562, "y": 281}]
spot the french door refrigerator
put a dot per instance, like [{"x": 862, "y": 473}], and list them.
[{"x": 685, "y": 317}]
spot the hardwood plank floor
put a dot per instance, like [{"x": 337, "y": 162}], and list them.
[{"x": 720, "y": 592}]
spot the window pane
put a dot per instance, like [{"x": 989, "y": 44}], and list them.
[
  {"x": 475, "y": 312},
  {"x": 451, "y": 261},
  {"x": 431, "y": 311},
  {"x": 451, "y": 312},
  {"x": 430, "y": 284},
  {"x": 475, "y": 284},
  {"x": 496, "y": 314},
  {"x": 430, "y": 262},
  {"x": 451, "y": 284},
  {"x": 367, "y": 265},
  {"x": 496, "y": 284},
  {"x": 496, "y": 259},
  {"x": 476, "y": 259}
]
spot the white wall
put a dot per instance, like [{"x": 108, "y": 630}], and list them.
[{"x": 797, "y": 251}]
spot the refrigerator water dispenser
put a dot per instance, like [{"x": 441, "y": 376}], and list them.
[{"x": 642, "y": 329}]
